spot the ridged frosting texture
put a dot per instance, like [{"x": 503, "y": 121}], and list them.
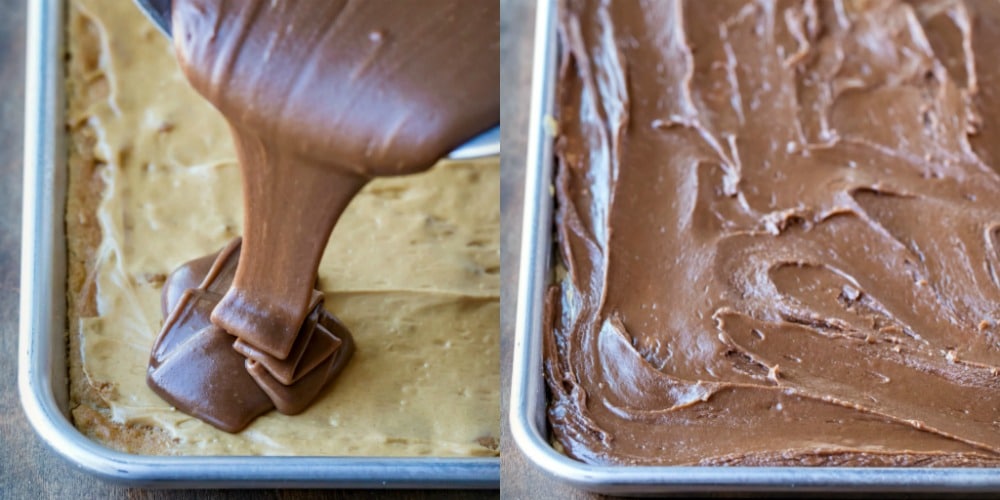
[{"x": 778, "y": 233}]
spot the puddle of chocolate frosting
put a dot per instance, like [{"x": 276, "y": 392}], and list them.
[
  {"x": 197, "y": 367},
  {"x": 778, "y": 224}
]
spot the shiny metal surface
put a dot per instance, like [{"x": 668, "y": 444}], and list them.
[
  {"x": 157, "y": 11},
  {"x": 42, "y": 370},
  {"x": 528, "y": 401},
  {"x": 482, "y": 145}
]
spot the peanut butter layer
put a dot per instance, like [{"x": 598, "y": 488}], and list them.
[
  {"x": 412, "y": 270},
  {"x": 779, "y": 228}
]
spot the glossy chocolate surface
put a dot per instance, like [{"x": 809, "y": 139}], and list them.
[
  {"x": 779, "y": 228},
  {"x": 206, "y": 372}
]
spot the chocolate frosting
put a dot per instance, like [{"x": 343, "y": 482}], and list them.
[
  {"x": 320, "y": 98},
  {"x": 203, "y": 370},
  {"x": 779, "y": 227}
]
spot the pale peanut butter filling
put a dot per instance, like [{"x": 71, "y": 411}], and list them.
[{"x": 412, "y": 269}]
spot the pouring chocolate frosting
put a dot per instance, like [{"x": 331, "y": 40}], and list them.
[{"x": 320, "y": 98}]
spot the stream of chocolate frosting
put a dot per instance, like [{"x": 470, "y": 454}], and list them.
[
  {"x": 320, "y": 98},
  {"x": 780, "y": 226}
]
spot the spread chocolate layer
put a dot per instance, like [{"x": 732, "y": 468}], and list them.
[
  {"x": 780, "y": 230},
  {"x": 320, "y": 97}
]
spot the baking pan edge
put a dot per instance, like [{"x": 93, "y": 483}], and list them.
[
  {"x": 42, "y": 374},
  {"x": 528, "y": 420}
]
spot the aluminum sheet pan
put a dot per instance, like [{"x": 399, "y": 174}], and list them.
[
  {"x": 528, "y": 421},
  {"x": 42, "y": 363}
]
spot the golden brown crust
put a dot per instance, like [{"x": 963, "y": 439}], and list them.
[{"x": 85, "y": 85}]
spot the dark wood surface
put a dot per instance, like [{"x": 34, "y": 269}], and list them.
[{"x": 28, "y": 469}]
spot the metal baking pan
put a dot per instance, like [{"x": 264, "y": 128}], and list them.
[
  {"x": 42, "y": 370},
  {"x": 528, "y": 420}
]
